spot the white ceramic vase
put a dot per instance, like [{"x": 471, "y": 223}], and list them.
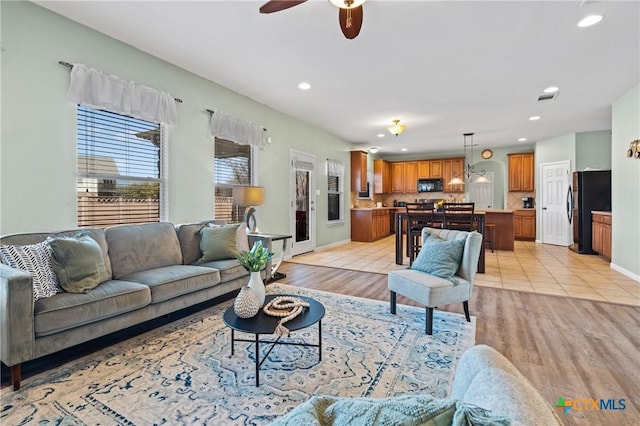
[{"x": 256, "y": 284}]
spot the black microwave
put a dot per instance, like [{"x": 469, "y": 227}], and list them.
[{"x": 429, "y": 185}]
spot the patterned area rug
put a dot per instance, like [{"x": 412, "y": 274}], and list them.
[{"x": 183, "y": 372}]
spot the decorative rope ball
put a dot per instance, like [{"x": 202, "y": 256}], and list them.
[{"x": 247, "y": 304}]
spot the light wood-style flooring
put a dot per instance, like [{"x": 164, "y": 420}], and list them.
[
  {"x": 570, "y": 347},
  {"x": 531, "y": 267}
]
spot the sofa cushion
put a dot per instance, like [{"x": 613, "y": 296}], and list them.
[
  {"x": 78, "y": 263},
  {"x": 172, "y": 281},
  {"x": 439, "y": 257},
  {"x": 69, "y": 310},
  {"x": 134, "y": 248},
  {"x": 230, "y": 269},
  {"x": 189, "y": 237},
  {"x": 36, "y": 260}
]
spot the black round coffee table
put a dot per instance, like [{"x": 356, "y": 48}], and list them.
[{"x": 266, "y": 324}]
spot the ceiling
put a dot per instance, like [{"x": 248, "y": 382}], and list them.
[{"x": 443, "y": 68}]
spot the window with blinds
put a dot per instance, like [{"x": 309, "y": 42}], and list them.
[
  {"x": 334, "y": 197},
  {"x": 232, "y": 166},
  {"x": 119, "y": 174}
]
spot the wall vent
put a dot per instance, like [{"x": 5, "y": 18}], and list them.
[{"x": 548, "y": 96}]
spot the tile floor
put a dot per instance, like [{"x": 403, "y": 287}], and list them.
[{"x": 531, "y": 267}]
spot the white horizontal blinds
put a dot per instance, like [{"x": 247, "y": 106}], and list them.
[
  {"x": 118, "y": 169},
  {"x": 232, "y": 166}
]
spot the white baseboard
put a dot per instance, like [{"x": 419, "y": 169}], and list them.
[
  {"x": 625, "y": 272},
  {"x": 337, "y": 243}
]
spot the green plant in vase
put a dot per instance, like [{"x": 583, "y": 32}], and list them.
[{"x": 255, "y": 259}]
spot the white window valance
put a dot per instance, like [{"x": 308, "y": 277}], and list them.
[
  {"x": 95, "y": 89},
  {"x": 237, "y": 130},
  {"x": 335, "y": 168}
]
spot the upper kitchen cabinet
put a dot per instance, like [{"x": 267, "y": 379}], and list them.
[
  {"x": 429, "y": 169},
  {"x": 358, "y": 171},
  {"x": 452, "y": 167},
  {"x": 404, "y": 176},
  {"x": 381, "y": 177},
  {"x": 521, "y": 172}
]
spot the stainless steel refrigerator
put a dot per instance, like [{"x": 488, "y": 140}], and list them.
[{"x": 590, "y": 191}]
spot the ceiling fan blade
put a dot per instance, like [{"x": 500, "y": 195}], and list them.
[
  {"x": 351, "y": 21},
  {"x": 278, "y": 5}
]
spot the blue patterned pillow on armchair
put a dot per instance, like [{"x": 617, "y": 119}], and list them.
[{"x": 439, "y": 257}]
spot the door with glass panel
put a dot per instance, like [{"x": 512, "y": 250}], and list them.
[{"x": 302, "y": 202}]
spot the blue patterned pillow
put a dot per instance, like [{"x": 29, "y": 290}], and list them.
[{"x": 439, "y": 257}]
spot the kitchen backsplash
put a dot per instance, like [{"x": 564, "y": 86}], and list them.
[
  {"x": 514, "y": 199},
  {"x": 387, "y": 199}
]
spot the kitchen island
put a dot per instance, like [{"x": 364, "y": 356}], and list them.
[{"x": 503, "y": 236}]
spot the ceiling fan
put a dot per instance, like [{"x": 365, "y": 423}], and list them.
[{"x": 350, "y": 13}]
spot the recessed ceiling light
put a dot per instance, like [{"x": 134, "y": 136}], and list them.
[
  {"x": 522, "y": 140},
  {"x": 381, "y": 135},
  {"x": 304, "y": 86},
  {"x": 534, "y": 118},
  {"x": 550, "y": 89},
  {"x": 590, "y": 20},
  {"x": 403, "y": 149}
]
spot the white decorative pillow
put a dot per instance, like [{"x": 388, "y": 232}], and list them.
[{"x": 35, "y": 259}]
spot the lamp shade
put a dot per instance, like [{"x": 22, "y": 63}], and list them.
[
  {"x": 397, "y": 128},
  {"x": 248, "y": 195}
]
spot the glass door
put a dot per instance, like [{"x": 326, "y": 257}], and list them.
[{"x": 303, "y": 214}]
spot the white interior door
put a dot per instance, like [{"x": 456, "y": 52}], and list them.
[
  {"x": 303, "y": 202},
  {"x": 555, "y": 226},
  {"x": 482, "y": 193}
]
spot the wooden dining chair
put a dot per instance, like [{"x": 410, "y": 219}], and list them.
[
  {"x": 458, "y": 216},
  {"x": 419, "y": 215}
]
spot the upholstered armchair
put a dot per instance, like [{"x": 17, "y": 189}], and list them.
[{"x": 434, "y": 280}]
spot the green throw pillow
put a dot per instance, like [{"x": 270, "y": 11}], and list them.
[
  {"x": 218, "y": 243},
  {"x": 78, "y": 263},
  {"x": 439, "y": 257}
]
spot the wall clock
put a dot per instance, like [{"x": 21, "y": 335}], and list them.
[{"x": 486, "y": 154}]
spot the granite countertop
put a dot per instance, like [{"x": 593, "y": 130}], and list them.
[
  {"x": 506, "y": 211},
  {"x": 601, "y": 212},
  {"x": 375, "y": 208}
]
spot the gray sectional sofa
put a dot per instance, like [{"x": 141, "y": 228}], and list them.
[{"x": 153, "y": 270}]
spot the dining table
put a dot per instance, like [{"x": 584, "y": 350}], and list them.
[{"x": 438, "y": 220}]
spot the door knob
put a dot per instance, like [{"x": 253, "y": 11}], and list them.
[{"x": 544, "y": 208}]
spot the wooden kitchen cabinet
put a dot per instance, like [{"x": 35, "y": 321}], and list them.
[
  {"x": 358, "y": 171},
  {"x": 371, "y": 224},
  {"x": 521, "y": 172},
  {"x": 404, "y": 176},
  {"x": 601, "y": 234},
  {"x": 524, "y": 224},
  {"x": 381, "y": 177},
  {"x": 452, "y": 167},
  {"x": 435, "y": 168},
  {"x": 411, "y": 176},
  {"x": 424, "y": 169}
]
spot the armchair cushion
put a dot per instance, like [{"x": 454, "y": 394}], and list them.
[{"x": 439, "y": 257}]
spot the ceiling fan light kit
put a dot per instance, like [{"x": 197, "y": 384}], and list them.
[
  {"x": 397, "y": 128},
  {"x": 349, "y": 13}
]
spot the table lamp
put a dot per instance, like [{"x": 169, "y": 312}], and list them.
[{"x": 249, "y": 197}]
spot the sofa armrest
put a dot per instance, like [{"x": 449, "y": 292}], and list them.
[{"x": 16, "y": 316}]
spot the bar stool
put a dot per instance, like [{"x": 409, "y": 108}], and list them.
[{"x": 488, "y": 234}]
